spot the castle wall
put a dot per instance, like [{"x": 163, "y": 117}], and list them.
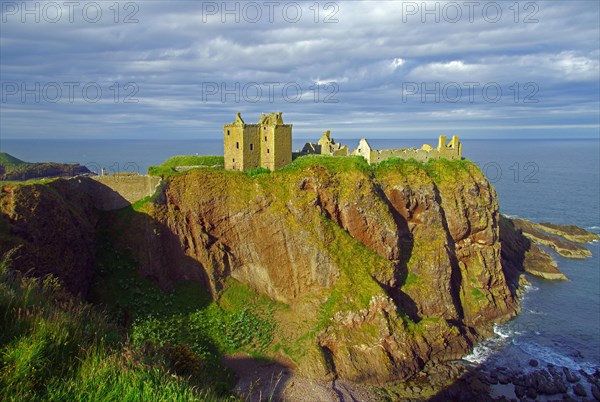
[
  {"x": 342, "y": 151},
  {"x": 417, "y": 154},
  {"x": 276, "y": 146},
  {"x": 267, "y": 146},
  {"x": 251, "y": 147},
  {"x": 326, "y": 146},
  {"x": 452, "y": 151},
  {"x": 117, "y": 191},
  {"x": 241, "y": 146},
  {"x": 233, "y": 138},
  {"x": 364, "y": 150}
]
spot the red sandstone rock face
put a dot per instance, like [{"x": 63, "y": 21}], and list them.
[
  {"x": 365, "y": 217},
  {"x": 454, "y": 250},
  {"x": 394, "y": 351},
  {"x": 249, "y": 243},
  {"x": 440, "y": 239}
]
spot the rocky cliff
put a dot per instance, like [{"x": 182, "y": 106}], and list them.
[
  {"x": 390, "y": 267},
  {"x": 377, "y": 270}
]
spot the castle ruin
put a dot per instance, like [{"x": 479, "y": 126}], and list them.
[
  {"x": 450, "y": 151},
  {"x": 267, "y": 144},
  {"x": 326, "y": 146}
]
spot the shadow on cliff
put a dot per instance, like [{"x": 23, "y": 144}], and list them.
[
  {"x": 140, "y": 264},
  {"x": 513, "y": 248},
  {"x": 104, "y": 197},
  {"x": 49, "y": 228},
  {"x": 455, "y": 275},
  {"x": 141, "y": 269},
  {"x": 155, "y": 279},
  {"x": 470, "y": 386},
  {"x": 258, "y": 379},
  {"x": 405, "y": 248}
]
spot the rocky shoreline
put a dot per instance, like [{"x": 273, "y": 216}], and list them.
[
  {"x": 521, "y": 252},
  {"x": 441, "y": 382},
  {"x": 569, "y": 232},
  {"x": 500, "y": 383},
  {"x": 556, "y": 239}
]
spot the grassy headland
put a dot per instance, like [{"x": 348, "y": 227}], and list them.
[{"x": 14, "y": 169}]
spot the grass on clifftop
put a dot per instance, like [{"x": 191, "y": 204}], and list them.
[
  {"x": 167, "y": 168},
  {"x": 27, "y": 182},
  {"x": 439, "y": 170},
  {"x": 333, "y": 163}
]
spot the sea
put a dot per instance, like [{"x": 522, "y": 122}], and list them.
[{"x": 555, "y": 180}]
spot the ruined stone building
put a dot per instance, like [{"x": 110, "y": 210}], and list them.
[
  {"x": 267, "y": 144},
  {"x": 450, "y": 151},
  {"x": 326, "y": 146}
]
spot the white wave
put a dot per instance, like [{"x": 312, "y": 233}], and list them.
[
  {"x": 487, "y": 348},
  {"x": 479, "y": 354},
  {"x": 593, "y": 227},
  {"x": 535, "y": 312},
  {"x": 554, "y": 357},
  {"x": 530, "y": 288},
  {"x": 502, "y": 331}
]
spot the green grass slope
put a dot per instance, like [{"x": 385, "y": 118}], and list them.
[
  {"x": 9, "y": 160},
  {"x": 54, "y": 347}
]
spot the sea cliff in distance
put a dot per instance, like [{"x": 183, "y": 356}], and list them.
[
  {"x": 330, "y": 267},
  {"x": 12, "y": 168}
]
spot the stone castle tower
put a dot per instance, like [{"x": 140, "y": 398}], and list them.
[
  {"x": 267, "y": 144},
  {"x": 452, "y": 150}
]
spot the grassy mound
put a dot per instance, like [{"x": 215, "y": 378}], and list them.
[{"x": 9, "y": 160}]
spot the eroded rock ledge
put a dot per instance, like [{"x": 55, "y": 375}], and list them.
[{"x": 521, "y": 238}]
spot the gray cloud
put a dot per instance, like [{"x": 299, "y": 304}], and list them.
[{"x": 179, "y": 56}]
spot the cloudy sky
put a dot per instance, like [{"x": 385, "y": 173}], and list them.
[{"x": 181, "y": 69}]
